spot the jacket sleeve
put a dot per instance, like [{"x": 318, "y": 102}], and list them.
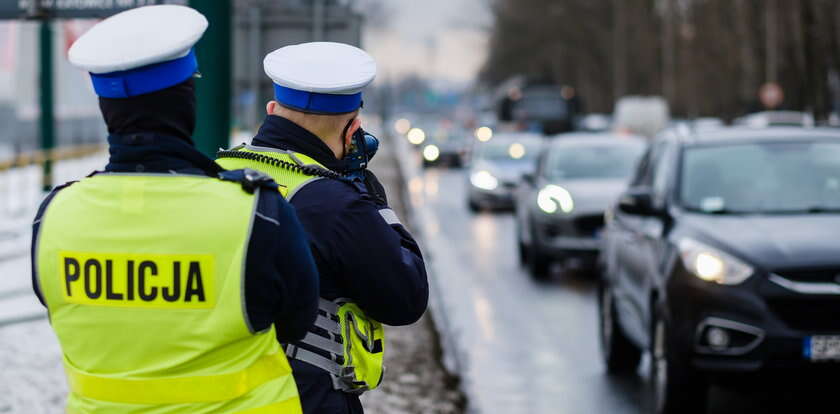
[
  {"x": 281, "y": 284},
  {"x": 381, "y": 263}
]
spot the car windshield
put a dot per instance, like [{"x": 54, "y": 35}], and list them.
[
  {"x": 602, "y": 160},
  {"x": 446, "y": 137},
  {"x": 762, "y": 178},
  {"x": 509, "y": 150},
  {"x": 542, "y": 104}
]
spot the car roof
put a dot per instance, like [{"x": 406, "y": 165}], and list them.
[
  {"x": 741, "y": 134},
  {"x": 505, "y": 135},
  {"x": 584, "y": 138},
  {"x": 508, "y": 138}
]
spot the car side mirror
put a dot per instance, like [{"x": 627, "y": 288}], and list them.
[{"x": 638, "y": 201}]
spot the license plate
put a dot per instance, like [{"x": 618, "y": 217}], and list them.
[{"x": 822, "y": 348}]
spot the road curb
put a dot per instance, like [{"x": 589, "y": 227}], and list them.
[{"x": 408, "y": 169}]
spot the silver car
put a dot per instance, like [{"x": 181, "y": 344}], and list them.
[
  {"x": 497, "y": 167},
  {"x": 560, "y": 208}
]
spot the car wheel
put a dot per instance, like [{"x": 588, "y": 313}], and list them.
[
  {"x": 473, "y": 206},
  {"x": 522, "y": 248},
  {"x": 677, "y": 387},
  {"x": 620, "y": 355},
  {"x": 523, "y": 253},
  {"x": 538, "y": 262}
]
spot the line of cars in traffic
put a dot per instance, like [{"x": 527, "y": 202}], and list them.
[{"x": 718, "y": 249}]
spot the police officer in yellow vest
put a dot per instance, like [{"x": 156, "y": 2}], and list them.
[
  {"x": 168, "y": 279},
  {"x": 371, "y": 269}
]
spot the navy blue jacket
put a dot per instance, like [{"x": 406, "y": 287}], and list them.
[
  {"x": 281, "y": 280},
  {"x": 359, "y": 256}
]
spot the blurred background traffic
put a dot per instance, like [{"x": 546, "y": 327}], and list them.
[{"x": 626, "y": 205}]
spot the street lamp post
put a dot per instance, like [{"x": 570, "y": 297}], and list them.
[
  {"x": 46, "y": 100},
  {"x": 213, "y": 94}
]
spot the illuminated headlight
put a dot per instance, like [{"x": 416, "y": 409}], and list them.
[
  {"x": 402, "y": 126},
  {"x": 553, "y": 198},
  {"x": 484, "y": 134},
  {"x": 484, "y": 180},
  {"x": 416, "y": 136},
  {"x": 516, "y": 150},
  {"x": 431, "y": 152},
  {"x": 711, "y": 264}
]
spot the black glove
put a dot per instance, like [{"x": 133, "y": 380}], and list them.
[{"x": 375, "y": 189}]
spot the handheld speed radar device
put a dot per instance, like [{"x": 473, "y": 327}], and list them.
[{"x": 362, "y": 150}]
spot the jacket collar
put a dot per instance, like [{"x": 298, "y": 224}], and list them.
[
  {"x": 155, "y": 153},
  {"x": 281, "y": 133}
]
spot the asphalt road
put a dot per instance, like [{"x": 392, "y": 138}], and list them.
[{"x": 523, "y": 346}]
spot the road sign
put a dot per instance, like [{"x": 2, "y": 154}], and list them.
[{"x": 72, "y": 9}]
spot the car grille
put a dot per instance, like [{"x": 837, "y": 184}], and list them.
[
  {"x": 589, "y": 225},
  {"x": 811, "y": 275},
  {"x": 818, "y": 315},
  {"x": 553, "y": 230}
]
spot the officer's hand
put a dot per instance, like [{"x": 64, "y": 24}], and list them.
[{"x": 375, "y": 188}]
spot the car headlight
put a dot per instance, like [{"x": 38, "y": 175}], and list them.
[
  {"x": 431, "y": 152},
  {"x": 553, "y": 197},
  {"x": 484, "y": 180},
  {"x": 711, "y": 264},
  {"x": 416, "y": 136}
]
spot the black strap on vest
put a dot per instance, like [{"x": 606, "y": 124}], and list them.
[{"x": 250, "y": 179}]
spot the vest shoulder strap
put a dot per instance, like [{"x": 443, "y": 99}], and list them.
[
  {"x": 250, "y": 179},
  {"x": 290, "y": 170}
]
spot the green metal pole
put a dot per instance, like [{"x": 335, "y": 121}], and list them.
[
  {"x": 47, "y": 121},
  {"x": 213, "y": 90}
]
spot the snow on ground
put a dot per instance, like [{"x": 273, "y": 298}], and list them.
[{"x": 31, "y": 377}]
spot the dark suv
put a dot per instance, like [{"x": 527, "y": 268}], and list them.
[{"x": 723, "y": 257}]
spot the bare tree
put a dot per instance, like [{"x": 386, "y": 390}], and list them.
[{"x": 709, "y": 57}]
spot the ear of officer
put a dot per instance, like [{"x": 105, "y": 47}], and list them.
[
  {"x": 167, "y": 286},
  {"x": 362, "y": 251}
]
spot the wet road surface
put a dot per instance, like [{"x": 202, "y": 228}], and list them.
[{"x": 523, "y": 346}]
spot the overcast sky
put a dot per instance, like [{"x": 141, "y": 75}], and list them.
[{"x": 443, "y": 39}]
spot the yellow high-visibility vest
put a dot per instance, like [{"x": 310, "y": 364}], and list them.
[
  {"x": 363, "y": 339},
  {"x": 143, "y": 280}
]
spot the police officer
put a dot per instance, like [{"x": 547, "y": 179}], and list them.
[
  {"x": 371, "y": 269},
  {"x": 166, "y": 278}
]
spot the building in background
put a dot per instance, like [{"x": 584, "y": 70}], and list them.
[
  {"x": 77, "y": 109},
  {"x": 261, "y": 26}
]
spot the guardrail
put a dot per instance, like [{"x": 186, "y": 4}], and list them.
[
  {"x": 58, "y": 154},
  {"x": 21, "y": 176}
]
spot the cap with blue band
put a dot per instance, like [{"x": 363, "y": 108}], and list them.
[
  {"x": 141, "y": 50},
  {"x": 147, "y": 79},
  {"x": 317, "y": 102},
  {"x": 320, "y": 77}
]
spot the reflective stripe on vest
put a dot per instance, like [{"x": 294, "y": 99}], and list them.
[
  {"x": 178, "y": 390},
  {"x": 143, "y": 277},
  {"x": 292, "y": 405}
]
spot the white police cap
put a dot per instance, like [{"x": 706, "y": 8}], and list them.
[
  {"x": 140, "y": 50},
  {"x": 320, "y": 77}
]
